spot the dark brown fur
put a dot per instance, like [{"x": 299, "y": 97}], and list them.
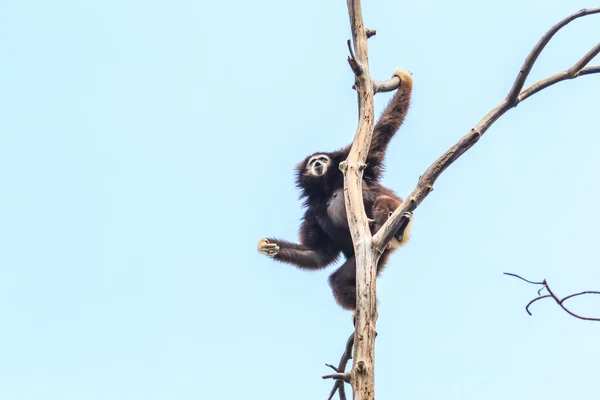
[
  {"x": 382, "y": 209},
  {"x": 324, "y": 231}
]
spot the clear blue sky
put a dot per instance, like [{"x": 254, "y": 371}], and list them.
[{"x": 146, "y": 146}]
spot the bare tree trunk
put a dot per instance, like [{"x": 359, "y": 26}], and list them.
[{"x": 363, "y": 370}]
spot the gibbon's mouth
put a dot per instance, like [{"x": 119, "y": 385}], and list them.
[{"x": 317, "y": 169}]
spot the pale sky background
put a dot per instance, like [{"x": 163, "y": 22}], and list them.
[{"x": 146, "y": 146}]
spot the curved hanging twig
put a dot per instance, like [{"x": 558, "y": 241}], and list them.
[{"x": 558, "y": 300}]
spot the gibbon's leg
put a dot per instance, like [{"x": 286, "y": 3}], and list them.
[
  {"x": 343, "y": 284},
  {"x": 382, "y": 209}
]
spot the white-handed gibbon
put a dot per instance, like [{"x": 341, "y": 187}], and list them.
[{"x": 324, "y": 232}]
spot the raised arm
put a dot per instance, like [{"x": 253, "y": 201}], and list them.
[
  {"x": 315, "y": 251},
  {"x": 390, "y": 121}
]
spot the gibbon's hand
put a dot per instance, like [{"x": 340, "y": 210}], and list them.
[
  {"x": 267, "y": 248},
  {"x": 402, "y": 232}
]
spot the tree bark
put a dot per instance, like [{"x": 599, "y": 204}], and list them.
[{"x": 363, "y": 371}]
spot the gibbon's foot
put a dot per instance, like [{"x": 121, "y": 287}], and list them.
[
  {"x": 400, "y": 234},
  {"x": 267, "y": 248}
]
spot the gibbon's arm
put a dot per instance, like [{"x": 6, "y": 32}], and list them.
[
  {"x": 388, "y": 124},
  {"x": 316, "y": 250}
]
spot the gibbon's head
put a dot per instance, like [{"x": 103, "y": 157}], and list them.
[{"x": 314, "y": 173}]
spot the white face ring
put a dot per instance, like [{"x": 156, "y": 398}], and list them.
[{"x": 317, "y": 165}]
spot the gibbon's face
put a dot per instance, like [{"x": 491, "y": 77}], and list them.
[{"x": 317, "y": 165}]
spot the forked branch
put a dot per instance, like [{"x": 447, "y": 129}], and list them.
[
  {"x": 551, "y": 294},
  {"x": 340, "y": 369},
  {"x": 513, "y": 98},
  {"x": 539, "y": 47},
  {"x": 576, "y": 70}
]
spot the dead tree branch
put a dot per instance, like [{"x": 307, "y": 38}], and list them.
[
  {"x": 551, "y": 294},
  {"x": 362, "y": 373},
  {"x": 539, "y": 47},
  {"x": 341, "y": 368},
  {"x": 573, "y": 72},
  {"x": 339, "y": 376},
  {"x": 513, "y": 98},
  {"x": 385, "y": 86}
]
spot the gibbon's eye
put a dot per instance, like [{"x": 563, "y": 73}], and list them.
[{"x": 323, "y": 159}]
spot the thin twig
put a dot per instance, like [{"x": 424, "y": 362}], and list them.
[
  {"x": 387, "y": 86},
  {"x": 347, "y": 356},
  {"x": 520, "y": 277},
  {"x": 571, "y": 73},
  {"x": 579, "y": 294},
  {"x": 338, "y": 385},
  {"x": 350, "y": 49},
  {"x": 533, "y": 301},
  {"x": 558, "y": 300},
  {"x": 560, "y": 303},
  {"x": 340, "y": 376},
  {"x": 585, "y": 60},
  {"x": 332, "y": 367},
  {"x": 592, "y": 69},
  {"x": 356, "y": 67}
]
